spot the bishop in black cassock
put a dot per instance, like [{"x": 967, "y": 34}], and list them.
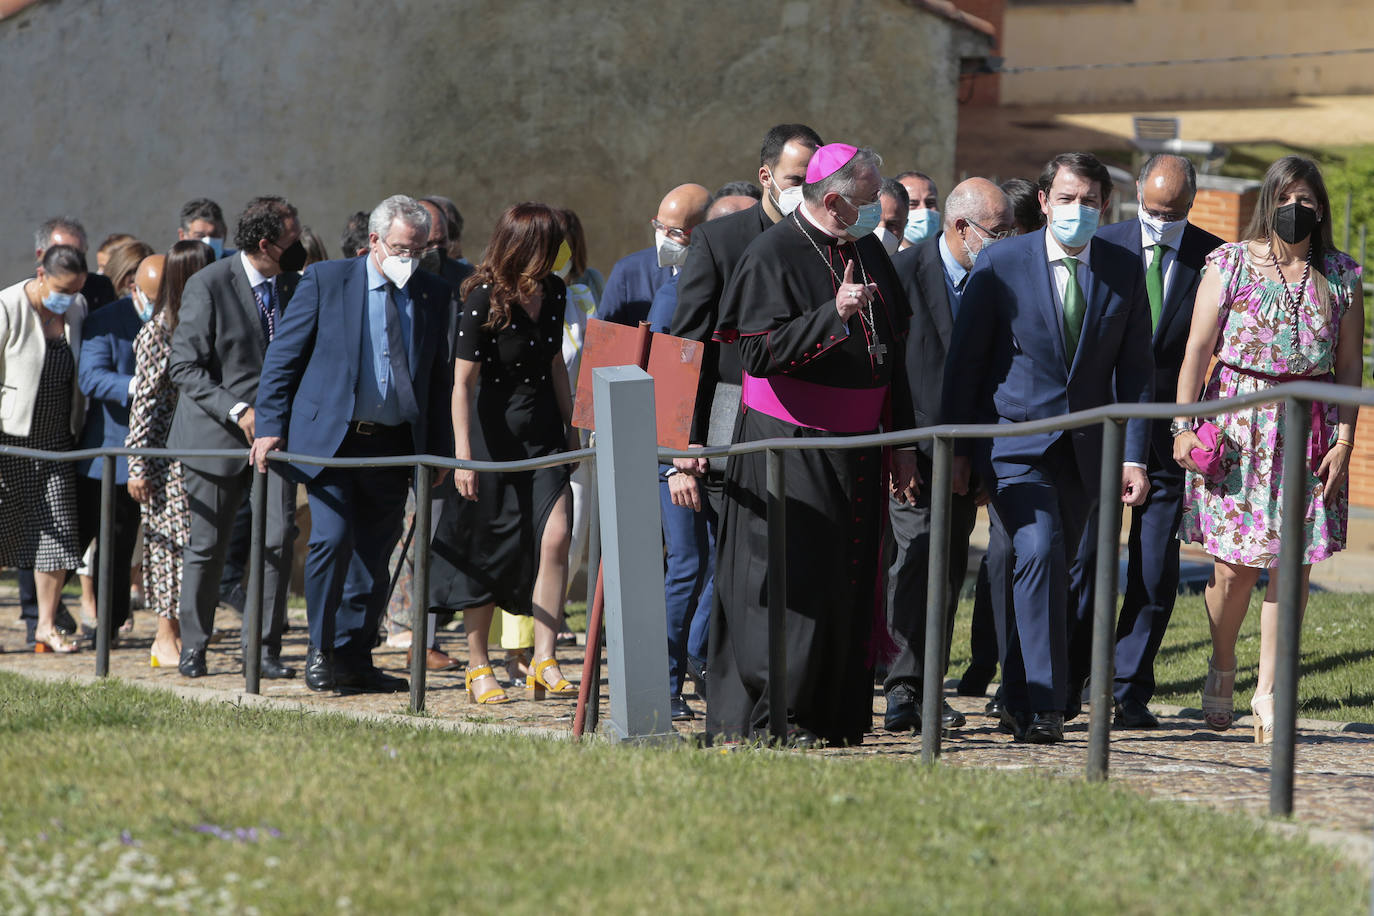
[{"x": 811, "y": 372}]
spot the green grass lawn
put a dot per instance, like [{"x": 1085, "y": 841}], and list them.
[
  {"x": 1337, "y": 679},
  {"x": 116, "y": 799}
]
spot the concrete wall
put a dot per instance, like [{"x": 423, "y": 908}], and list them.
[
  {"x": 119, "y": 112},
  {"x": 1180, "y": 29}
]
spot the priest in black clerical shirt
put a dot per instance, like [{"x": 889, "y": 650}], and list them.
[{"x": 818, "y": 317}]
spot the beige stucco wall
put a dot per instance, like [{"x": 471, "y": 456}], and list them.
[
  {"x": 1186, "y": 29},
  {"x": 119, "y": 112}
]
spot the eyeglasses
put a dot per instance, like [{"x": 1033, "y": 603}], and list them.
[
  {"x": 402, "y": 252},
  {"x": 1164, "y": 216},
  {"x": 673, "y": 232},
  {"x": 993, "y": 236}
]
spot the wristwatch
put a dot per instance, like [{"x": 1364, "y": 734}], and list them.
[{"x": 1179, "y": 427}]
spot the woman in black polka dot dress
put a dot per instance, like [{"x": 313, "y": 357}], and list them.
[{"x": 502, "y": 538}]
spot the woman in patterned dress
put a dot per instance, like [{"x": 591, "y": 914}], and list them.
[
  {"x": 41, "y": 408},
  {"x": 156, "y": 483},
  {"x": 1282, "y": 305}
]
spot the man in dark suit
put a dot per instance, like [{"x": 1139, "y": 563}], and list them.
[
  {"x": 106, "y": 378},
  {"x": 359, "y": 370},
  {"x": 1173, "y": 252},
  {"x": 66, "y": 230},
  {"x": 229, "y": 312},
  {"x": 1049, "y": 323},
  {"x": 933, "y": 273},
  {"x": 636, "y": 277}
]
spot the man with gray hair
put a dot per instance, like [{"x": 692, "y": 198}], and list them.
[
  {"x": 358, "y": 369},
  {"x": 818, "y": 318},
  {"x": 932, "y": 273},
  {"x": 67, "y": 230}
]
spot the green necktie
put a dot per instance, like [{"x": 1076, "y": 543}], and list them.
[
  {"x": 1154, "y": 284},
  {"x": 1073, "y": 310}
]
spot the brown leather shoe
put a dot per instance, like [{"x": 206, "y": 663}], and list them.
[{"x": 436, "y": 660}]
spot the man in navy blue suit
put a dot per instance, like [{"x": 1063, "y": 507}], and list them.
[
  {"x": 1050, "y": 322},
  {"x": 636, "y": 277},
  {"x": 358, "y": 368},
  {"x": 1173, "y": 252}
]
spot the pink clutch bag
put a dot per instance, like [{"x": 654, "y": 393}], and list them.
[{"x": 1208, "y": 457}]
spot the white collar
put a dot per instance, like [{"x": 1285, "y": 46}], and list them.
[
  {"x": 1055, "y": 252},
  {"x": 806, "y": 212},
  {"x": 255, "y": 279}
]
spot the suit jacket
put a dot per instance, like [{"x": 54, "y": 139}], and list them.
[
  {"x": 1007, "y": 355},
  {"x": 716, "y": 248},
  {"x": 98, "y": 291},
  {"x": 22, "y": 351},
  {"x": 217, "y": 352},
  {"x": 310, "y": 377},
  {"x": 922, "y": 275},
  {"x": 106, "y": 369},
  {"x": 1175, "y": 317},
  {"x": 630, "y": 290}
]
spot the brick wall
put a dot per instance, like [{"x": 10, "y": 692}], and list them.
[
  {"x": 1362, "y": 461},
  {"x": 1224, "y": 210},
  {"x": 983, "y": 89}
]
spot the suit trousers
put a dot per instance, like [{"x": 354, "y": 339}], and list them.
[
  {"x": 355, "y": 521},
  {"x": 1151, "y": 584},
  {"x": 990, "y": 601},
  {"x": 1045, "y": 512},
  {"x": 215, "y": 501},
  {"x": 688, "y": 582},
  {"x": 908, "y": 567},
  {"x": 126, "y": 521}
]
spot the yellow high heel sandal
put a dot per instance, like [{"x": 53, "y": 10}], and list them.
[
  {"x": 542, "y": 688},
  {"x": 493, "y": 697},
  {"x": 1263, "y": 708}
]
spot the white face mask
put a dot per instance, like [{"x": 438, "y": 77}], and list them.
[
  {"x": 1160, "y": 232},
  {"x": 789, "y": 200},
  {"x": 670, "y": 253},
  {"x": 398, "y": 270},
  {"x": 890, "y": 241}
]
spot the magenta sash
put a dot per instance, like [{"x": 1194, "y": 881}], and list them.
[{"x": 835, "y": 410}]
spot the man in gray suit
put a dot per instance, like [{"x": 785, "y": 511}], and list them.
[{"x": 229, "y": 312}]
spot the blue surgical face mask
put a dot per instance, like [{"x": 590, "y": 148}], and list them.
[
  {"x": 216, "y": 245},
  {"x": 143, "y": 304},
  {"x": 1073, "y": 224},
  {"x": 921, "y": 224},
  {"x": 58, "y": 303},
  {"x": 870, "y": 217}
]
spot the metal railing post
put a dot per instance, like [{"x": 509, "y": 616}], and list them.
[
  {"x": 937, "y": 599},
  {"x": 1297, "y": 422},
  {"x": 104, "y": 583},
  {"x": 419, "y": 602},
  {"x": 1104, "y": 598},
  {"x": 777, "y": 596},
  {"x": 252, "y": 608},
  {"x": 593, "y": 511}
]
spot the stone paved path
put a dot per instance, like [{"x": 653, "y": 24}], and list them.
[{"x": 1184, "y": 761}]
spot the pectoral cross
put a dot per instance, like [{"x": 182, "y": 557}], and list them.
[{"x": 877, "y": 350}]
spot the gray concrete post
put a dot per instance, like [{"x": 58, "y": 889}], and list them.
[{"x": 632, "y": 554}]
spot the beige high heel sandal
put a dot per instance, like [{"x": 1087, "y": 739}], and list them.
[{"x": 1263, "y": 709}]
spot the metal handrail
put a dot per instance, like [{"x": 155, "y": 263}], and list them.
[{"x": 1112, "y": 417}]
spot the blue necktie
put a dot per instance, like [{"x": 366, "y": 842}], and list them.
[
  {"x": 400, "y": 364},
  {"x": 265, "y": 310}
]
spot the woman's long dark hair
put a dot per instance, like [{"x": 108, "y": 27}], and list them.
[
  {"x": 520, "y": 254},
  {"x": 183, "y": 259},
  {"x": 1276, "y": 181}
]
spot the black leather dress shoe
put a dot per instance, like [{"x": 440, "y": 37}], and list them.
[
  {"x": 319, "y": 670},
  {"x": 1074, "y": 707},
  {"x": 1012, "y": 723},
  {"x": 975, "y": 681},
  {"x": 367, "y": 679},
  {"x": 1045, "y": 728},
  {"x": 192, "y": 663},
  {"x": 1134, "y": 714},
  {"x": 680, "y": 710},
  {"x": 951, "y": 717},
  {"x": 902, "y": 714},
  {"x": 696, "y": 670},
  {"x": 994, "y": 707},
  {"x": 271, "y": 669}
]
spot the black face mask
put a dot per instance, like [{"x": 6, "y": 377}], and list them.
[
  {"x": 292, "y": 257},
  {"x": 432, "y": 260},
  {"x": 1294, "y": 222}
]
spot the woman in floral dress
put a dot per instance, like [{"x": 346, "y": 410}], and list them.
[
  {"x": 157, "y": 482},
  {"x": 1281, "y": 306}
]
